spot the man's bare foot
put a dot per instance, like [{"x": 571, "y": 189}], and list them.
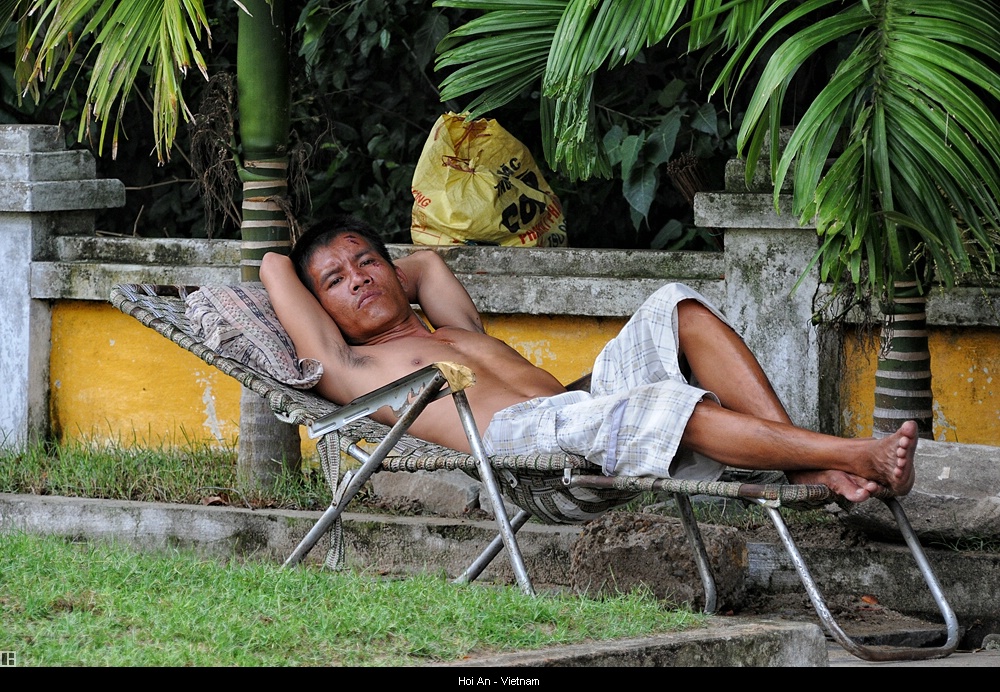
[
  {"x": 847, "y": 485},
  {"x": 888, "y": 463},
  {"x": 893, "y": 456}
]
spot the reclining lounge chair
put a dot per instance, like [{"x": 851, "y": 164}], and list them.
[{"x": 542, "y": 486}]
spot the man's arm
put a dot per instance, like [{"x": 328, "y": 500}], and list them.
[
  {"x": 312, "y": 330},
  {"x": 430, "y": 283}
]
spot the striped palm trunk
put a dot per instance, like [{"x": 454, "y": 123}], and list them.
[
  {"x": 903, "y": 377},
  {"x": 264, "y": 227},
  {"x": 267, "y": 446}
]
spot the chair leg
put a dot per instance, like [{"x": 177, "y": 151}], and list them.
[
  {"x": 489, "y": 480},
  {"x": 336, "y": 508},
  {"x": 700, "y": 554},
  {"x": 492, "y": 550},
  {"x": 865, "y": 652}
]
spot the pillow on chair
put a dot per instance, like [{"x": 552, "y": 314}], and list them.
[{"x": 238, "y": 322}]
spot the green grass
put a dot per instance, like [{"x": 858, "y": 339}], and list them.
[
  {"x": 103, "y": 605},
  {"x": 187, "y": 474},
  {"x": 968, "y": 544}
]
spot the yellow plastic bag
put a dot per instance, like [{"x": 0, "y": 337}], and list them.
[{"x": 476, "y": 184}]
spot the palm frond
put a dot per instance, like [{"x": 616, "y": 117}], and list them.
[
  {"x": 9, "y": 9},
  {"x": 127, "y": 35},
  {"x": 502, "y": 53},
  {"x": 917, "y": 99},
  {"x": 732, "y": 20}
]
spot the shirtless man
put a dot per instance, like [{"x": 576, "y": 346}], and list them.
[{"x": 349, "y": 307}]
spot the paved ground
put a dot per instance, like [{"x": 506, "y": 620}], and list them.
[{"x": 963, "y": 659}]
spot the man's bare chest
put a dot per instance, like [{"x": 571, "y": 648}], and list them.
[{"x": 405, "y": 355}]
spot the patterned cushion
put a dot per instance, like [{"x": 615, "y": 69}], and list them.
[{"x": 239, "y": 323}]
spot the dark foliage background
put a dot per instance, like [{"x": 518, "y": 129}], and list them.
[{"x": 364, "y": 99}]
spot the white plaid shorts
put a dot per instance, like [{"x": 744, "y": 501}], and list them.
[{"x": 632, "y": 420}]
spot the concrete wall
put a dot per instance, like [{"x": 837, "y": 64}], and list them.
[
  {"x": 44, "y": 191},
  {"x": 107, "y": 377}
]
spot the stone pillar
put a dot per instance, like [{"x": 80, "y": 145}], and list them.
[
  {"x": 45, "y": 191},
  {"x": 766, "y": 253}
]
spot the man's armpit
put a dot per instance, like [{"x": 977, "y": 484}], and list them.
[
  {"x": 346, "y": 356},
  {"x": 354, "y": 360}
]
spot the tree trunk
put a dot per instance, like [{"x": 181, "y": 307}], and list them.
[
  {"x": 267, "y": 446},
  {"x": 903, "y": 378}
]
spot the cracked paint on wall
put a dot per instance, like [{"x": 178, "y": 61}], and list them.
[{"x": 211, "y": 418}]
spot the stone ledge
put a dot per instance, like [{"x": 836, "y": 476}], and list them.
[
  {"x": 964, "y": 306},
  {"x": 164, "y": 251},
  {"x": 579, "y": 262},
  {"x": 742, "y": 210},
  {"x": 593, "y": 283},
  {"x": 576, "y": 262},
  {"x": 560, "y": 295},
  {"x": 570, "y": 281},
  {"x": 723, "y": 642},
  {"x": 885, "y": 571},
  {"x": 396, "y": 545},
  {"x": 31, "y": 138},
  {"x": 51, "y": 166},
  {"x": 736, "y": 181},
  {"x": 492, "y": 294},
  {"x": 61, "y": 195},
  {"x": 961, "y": 306},
  {"x": 93, "y": 281},
  {"x": 414, "y": 544}
]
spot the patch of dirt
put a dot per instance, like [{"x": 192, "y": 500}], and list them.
[
  {"x": 823, "y": 533},
  {"x": 860, "y": 615},
  {"x": 397, "y": 506}
]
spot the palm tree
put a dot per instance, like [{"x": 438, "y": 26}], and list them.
[
  {"x": 913, "y": 194},
  {"x": 264, "y": 105},
  {"x": 166, "y": 34},
  {"x": 897, "y": 159}
]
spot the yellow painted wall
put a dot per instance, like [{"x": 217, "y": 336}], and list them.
[
  {"x": 966, "y": 384},
  {"x": 565, "y": 346},
  {"x": 113, "y": 379}
]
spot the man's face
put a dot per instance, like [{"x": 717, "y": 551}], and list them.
[{"x": 358, "y": 288}]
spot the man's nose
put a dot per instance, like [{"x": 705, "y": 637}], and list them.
[{"x": 359, "y": 279}]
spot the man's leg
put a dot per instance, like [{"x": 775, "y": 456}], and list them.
[
  {"x": 745, "y": 441},
  {"x": 722, "y": 364}
]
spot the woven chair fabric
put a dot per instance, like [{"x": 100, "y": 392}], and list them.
[{"x": 537, "y": 486}]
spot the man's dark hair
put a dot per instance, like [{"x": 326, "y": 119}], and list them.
[{"x": 323, "y": 232}]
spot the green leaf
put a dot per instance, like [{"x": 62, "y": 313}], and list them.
[
  {"x": 660, "y": 143},
  {"x": 916, "y": 101},
  {"x": 669, "y": 94},
  {"x": 164, "y": 34},
  {"x": 630, "y": 148},
  {"x": 612, "y": 144},
  {"x": 706, "y": 120},
  {"x": 640, "y": 189},
  {"x": 428, "y": 36},
  {"x": 670, "y": 231}
]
